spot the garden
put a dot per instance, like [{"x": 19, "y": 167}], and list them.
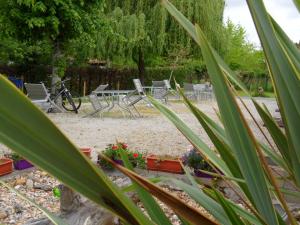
[{"x": 135, "y": 153}]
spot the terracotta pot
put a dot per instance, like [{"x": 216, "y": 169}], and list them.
[
  {"x": 22, "y": 164},
  {"x": 86, "y": 151},
  {"x": 6, "y": 166},
  {"x": 165, "y": 165}
]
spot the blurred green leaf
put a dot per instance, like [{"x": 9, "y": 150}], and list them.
[
  {"x": 32, "y": 135},
  {"x": 232, "y": 215},
  {"x": 297, "y": 3}
]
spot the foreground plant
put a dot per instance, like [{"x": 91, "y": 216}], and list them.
[{"x": 237, "y": 156}]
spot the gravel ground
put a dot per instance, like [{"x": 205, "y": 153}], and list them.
[
  {"x": 153, "y": 133},
  {"x": 37, "y": 185}
]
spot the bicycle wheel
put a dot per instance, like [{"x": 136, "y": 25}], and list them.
[{"x": 71, "y": 102}]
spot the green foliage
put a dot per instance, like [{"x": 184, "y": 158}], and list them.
[
  {"x": 193, "y": 159},
  {"x": 242, "y": 55},
  {"x": 114, "y": 152},
  {"x": 40, "y": 31}
]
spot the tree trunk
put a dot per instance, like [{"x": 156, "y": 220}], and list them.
[
  {"x": 141, "y": 65},
  {"x": 55, "y": 73},
  {"x": 77, "y": 210}
]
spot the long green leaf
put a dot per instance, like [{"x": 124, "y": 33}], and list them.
[
  {"x": 284, "y": 74},
  {"x": 242, "y": 212},
  {"x": 191, "y": 136},
  {"x": 28, "y": 131},
  {"x": 232, "y": 215},
  {"x": 297, "y": 3},
  {"x": 182, "y": 209},
  {"x": 131, "y": 187},
  {"x": 276, "y": 157},
  {"x": 200, "y": 197},
  {"x": 54, "y": 219},
  {"x": 292, "y": 51},
  {"x": 239, "y": 134},
  {"x": 152, "y": 207},
  {"x": 277, "y": 135},
  {"x": 222, "y": 147}
]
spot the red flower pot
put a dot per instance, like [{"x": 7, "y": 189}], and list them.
[
  {"x": 165, "y": 165},
  {"x": 86, "y": 151},
  {"x": 6, "y": 166},
  {"x": 22, "y": 164}
]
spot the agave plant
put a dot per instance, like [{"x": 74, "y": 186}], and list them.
[{"x": 238, "y": 156}]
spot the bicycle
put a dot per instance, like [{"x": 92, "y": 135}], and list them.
[{"x": 70, "y": 102}]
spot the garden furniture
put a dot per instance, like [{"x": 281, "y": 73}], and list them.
[
  {"x": 159, "y": 90},
  {"x": 204, "y": 92},
  {"x": 132, "y": 98},
  {"x": 97, "y": 105},
  {"x": 189, "y": 91},
  {"x": 40, "y": 96}
]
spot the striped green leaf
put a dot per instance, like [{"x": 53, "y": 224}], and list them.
[
  {"x": 284, "y": 74},
  {"x": 293, "y": 53},
  {"x": 239, "y": 135},
  {"x": 277, "y": 135}
]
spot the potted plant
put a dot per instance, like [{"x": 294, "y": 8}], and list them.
[
  {"x": 113, "y": 152},
  {"x": 195, "y": 161},
  {"x": 6, "y": 166},
  {"x": 19, "y": 162},
  {"x": 164, "y": 163},
  {"x": 86, "y": 151}
]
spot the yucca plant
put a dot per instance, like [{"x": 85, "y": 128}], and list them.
[{"x": 237, "y": 155}]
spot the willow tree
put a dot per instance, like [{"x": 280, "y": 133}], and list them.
[{"x": 139, "y": 30}]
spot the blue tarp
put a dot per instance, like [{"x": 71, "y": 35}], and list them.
[{"x": 17, "y": 81}]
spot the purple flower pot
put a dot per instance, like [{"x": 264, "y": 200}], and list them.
[
  {"x": 198, "y": 173},
  {"x": 22, "y": 164},
  {"x": 119, "y": 161}
]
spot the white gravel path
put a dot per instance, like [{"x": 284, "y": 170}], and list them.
[{"x": 153, "y": 134}]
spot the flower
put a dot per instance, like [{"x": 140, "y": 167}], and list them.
[
  {"x": 114, "y": 147},
  {"x": 135, "y": 155},
  {"x": 124, "y": 146}
]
